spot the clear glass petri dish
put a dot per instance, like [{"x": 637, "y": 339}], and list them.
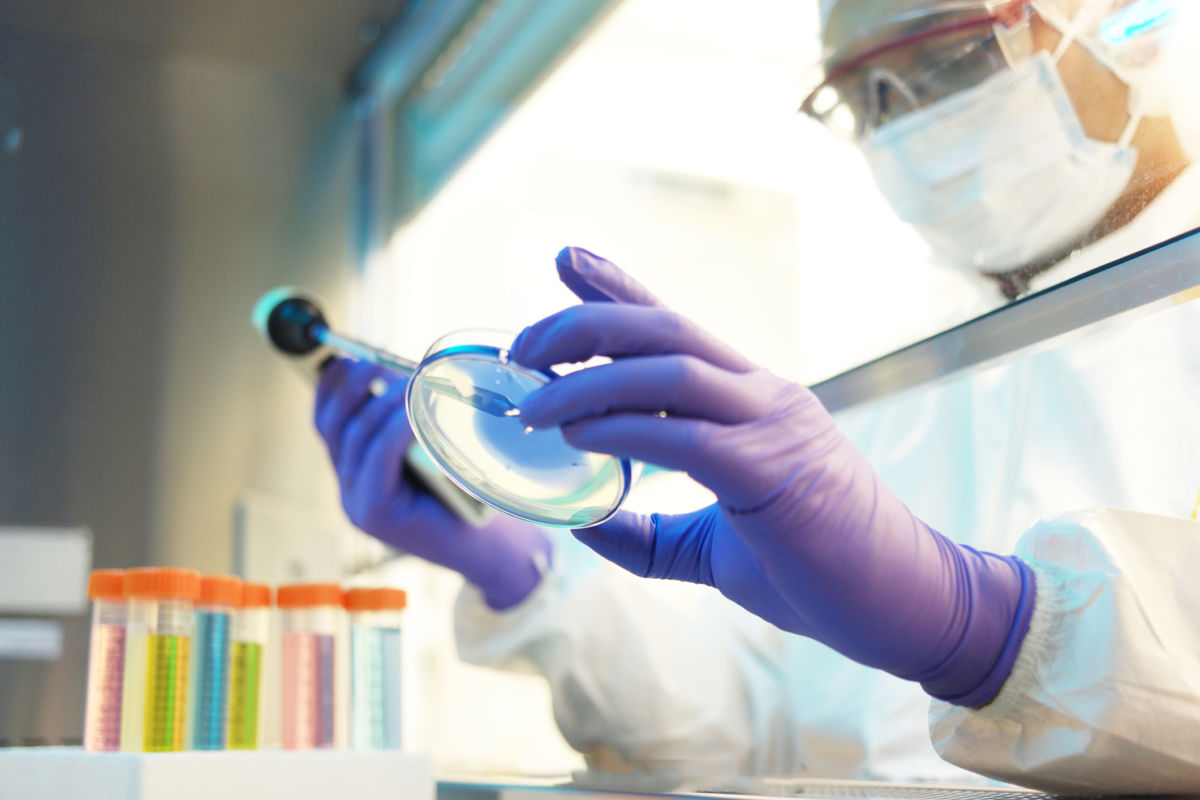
[{"x": 462, "y": 403}]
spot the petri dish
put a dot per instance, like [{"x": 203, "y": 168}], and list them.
[{"x": 462, "y": 403}]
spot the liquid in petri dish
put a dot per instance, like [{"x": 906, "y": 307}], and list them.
[{"x": 532, "y": 474}]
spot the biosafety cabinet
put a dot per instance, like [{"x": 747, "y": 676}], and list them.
[
  {"x": 161, "y": 165},
  {"x": 418, "y": 163}
]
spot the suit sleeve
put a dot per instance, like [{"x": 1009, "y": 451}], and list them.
[{"x": 1104, "y": 697}]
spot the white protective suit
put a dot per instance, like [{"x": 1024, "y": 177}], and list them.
[{"x": 1105, "y": 694}]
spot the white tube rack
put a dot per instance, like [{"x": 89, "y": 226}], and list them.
[{"x": 68, "y": 773}]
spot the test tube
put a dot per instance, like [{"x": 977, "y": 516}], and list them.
[
  {"x": 220, "y": 596},
  {"x": 157, "y": 649},
  {"x": 310, "y": 616},
  {"x": 251, "y": 629},
  {"x": 375, "y": 617},
  {"x": 106, "y": 661}
]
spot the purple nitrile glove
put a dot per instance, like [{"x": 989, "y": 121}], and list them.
[
  {"x": 367, "y": 437},
  {"x": 804, "y": 533}
]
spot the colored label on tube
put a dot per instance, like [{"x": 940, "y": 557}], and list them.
[
  {"x": 166, "y": 693},
  {"x": 243, "y": 695},
  {"x": 210, "y": 726},
  {"x": 308, "y": 688},
  {"x": 375, "y": 688},
  {"x": 106, "y": 674}
]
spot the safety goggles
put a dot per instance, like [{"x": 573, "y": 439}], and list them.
[
  {"x": 928, "y": 55},
  {"x": 918, "y": 58}
]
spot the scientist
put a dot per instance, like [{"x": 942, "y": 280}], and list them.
[{"x": 1016, "y": 137}]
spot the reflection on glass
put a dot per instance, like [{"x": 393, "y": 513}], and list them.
[{"x": 1103, "y": 416}]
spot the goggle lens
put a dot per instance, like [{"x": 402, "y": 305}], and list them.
[{"x": 909, "y": 71}]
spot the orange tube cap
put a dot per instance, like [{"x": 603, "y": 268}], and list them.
[
  {"x": 106, "y": 584},
  {"x": 256, "y": 595},
  {"x": 307, "y": 595},
  {"x": 163, "y": 583},
  {"x": 220, "y": 590},
  {"x": 381, "y": 599}
]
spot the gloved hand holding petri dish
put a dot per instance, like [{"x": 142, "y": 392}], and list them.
[{"x": 463, "y": 402}]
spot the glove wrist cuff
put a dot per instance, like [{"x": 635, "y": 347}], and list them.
[{"x": 1002, "y": 595}]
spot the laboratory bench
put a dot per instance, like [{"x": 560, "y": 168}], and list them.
[
  {"x": 484, "y": 788},
  {"x": 62, "y": 773}
]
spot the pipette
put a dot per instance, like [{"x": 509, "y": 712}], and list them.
[{"x": 296, "y": 325}]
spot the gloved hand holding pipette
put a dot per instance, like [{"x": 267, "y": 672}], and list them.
[
  {"x": 367, "y": 434},
  {"x": 803, "y": 533}
]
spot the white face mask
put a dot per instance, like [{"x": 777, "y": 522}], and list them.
[{"x": 999, "y": 176}]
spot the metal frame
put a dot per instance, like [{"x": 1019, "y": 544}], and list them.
[
  {"x": 1133, "y": 282},
  {"x": 477, "y": 788},
  {"x": 444, "y": 74}
]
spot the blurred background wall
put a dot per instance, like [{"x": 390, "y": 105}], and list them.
[{"x": 161, "y": 164}]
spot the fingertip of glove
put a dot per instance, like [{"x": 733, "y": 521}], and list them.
[
  {"x": 573, "y": 255},
  {"x": 617, "y": 523},
  {"x": 592, "y": 539},
  {"x": 567, "y": 262},
  {"x": 515, "y": 349},
  {"x": 578, "y": 270},
  {"x": 564, "y": 262}
]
